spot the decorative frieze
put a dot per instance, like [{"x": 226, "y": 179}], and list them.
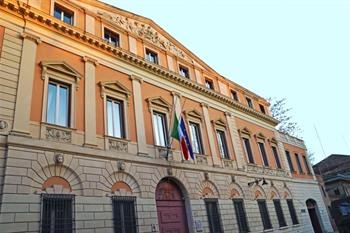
[
  {"x": 118, "y": 145},
  {"x": 230, "y": 164},
  {"x": 266, "y": 171},
  {"x": 202, "y": 159},
  {"x": 58, "y": 135}
]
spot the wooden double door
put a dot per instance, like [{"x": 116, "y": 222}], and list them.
[{"x": 171, "y": 208}]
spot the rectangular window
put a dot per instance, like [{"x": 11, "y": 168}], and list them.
[
  {"x": 241, "y": 216},
  {"x": 58, "y": 104},
  {"x": 111, "y": 37},
  {"x": 265, "y": 218},
  {"x": 289, "y": 159},
  {"x": 124, "y": 214},
  {"x": 57, "y": 213},
  {"x": 263, "y": 153},
  {"x": 279, "y": 213},
  {"x": 249, "y": 102},
  {"x": 299, "y": 163},
  {"x": 151, "y": 56},
  {"x": 63, "y": 14},
  {"x": 248, "y": 150},
  {"x": 222, "y": 144},
  {"x": 277, "y": 159},
  {"x": 209, "y": 84},
  {"x": 184, "y": 72},
  {"x": 292, "y": 212},
  {"x": 160, "y": 129},
  {"x": 213, "y": 214},
  {"x": 306, "y": 165},
  {"x": 234, "y": 95},
  {"x": 115, "y": 118},
  {"x": 196, "y": 138},
  {"x": 262, "y": 108}
]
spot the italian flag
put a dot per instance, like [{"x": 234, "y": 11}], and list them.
[{"x": 179, "y": 132}]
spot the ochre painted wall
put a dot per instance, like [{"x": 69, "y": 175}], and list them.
[
  {"x": 301, "y": 152},
  {"x": 2, "y": 32}
]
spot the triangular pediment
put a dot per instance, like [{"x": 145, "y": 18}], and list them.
[
  {"x": 159, "y": 102},
  {"x": 60, "y": 67},
  {"x": 219, "y": 122},
  {"x": 114, "y": 86},
  {"x": 194, "y": 114},
  {"x": 245, "y": 130},
  {"x": 261, "y": 135}
]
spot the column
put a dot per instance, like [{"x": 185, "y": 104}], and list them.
[
  {"x": 139, "y": 117},
  {"x": 90, "y": 101},
  {"x": 236, "y": 141},
  {"x": 21, "y": 122},
  {"x": 214, "y": 155}
]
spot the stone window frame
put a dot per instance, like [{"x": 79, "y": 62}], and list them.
[
  {"x": 147, "y": 48},
  {"x": 273, "y": 143},
  {"x": 65, "y": 6},
  {"x": 61, "y": 72},
  {"x": 181, "y": 65},
  {"x": 261, "y": 138},
  {"x": 116, "y": 91},
  {"x": 110, "y": 28},
  {"x": 159, "y": 104},
  {"x": 221, "y": 125},
  {"x": 246, "y": 133},
  {"x": 236, "y": 94},
  {"x": 197, "y": 118}
]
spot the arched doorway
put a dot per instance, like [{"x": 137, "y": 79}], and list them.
[
  {"x": 314, "y": 215},
  {"x": 171, "y": 208}
]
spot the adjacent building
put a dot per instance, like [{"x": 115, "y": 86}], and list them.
[{"x": 87, "y": 95}]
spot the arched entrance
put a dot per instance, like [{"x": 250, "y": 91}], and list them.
[
  {"x": 171, "y": 208},
  {"x": 314, "y": 215}
]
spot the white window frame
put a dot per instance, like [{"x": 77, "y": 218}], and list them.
[
  {"x": 157, "y": 62},
  {"x": 104, "y": 27},
  {"x": 186, "y": 67},
  {"x": 246, "y": 134},
  {"x": 259, "y": 140},
  {"x": 200, "y": 142},
  {"x": 221, "y": 125},
  {"x": 59, "y": 85},
  {"x": 61, "y": 4}
]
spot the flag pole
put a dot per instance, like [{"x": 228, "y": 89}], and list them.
[{"x": 170, "y": 139}]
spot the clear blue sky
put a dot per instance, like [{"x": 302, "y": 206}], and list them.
[{"x": 297, "y": 49}]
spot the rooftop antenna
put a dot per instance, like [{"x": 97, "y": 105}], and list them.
[{"x": 319, "y": 140}]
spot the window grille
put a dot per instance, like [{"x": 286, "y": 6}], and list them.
[
  {"x": 57, "y": 213},
  {"x": 264, "y": 214},
  {"x": 241, "y": 216},
  {"x": 292, "y": 212},
  {"x": 124, "y": 214},
  {"x": 214, "y": 217},
  {"x": 279, "y": 212}
]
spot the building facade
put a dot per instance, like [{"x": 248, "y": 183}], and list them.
[
  {"x": 87, "y": 94},
  {"x": 333, "y": 175}
]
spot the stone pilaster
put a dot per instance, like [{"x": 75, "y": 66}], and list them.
[
  {"x": 237, "y": 146},
  {"x": 139, "y": 117},
  {"x": 25, "y": 85},
  {"x": 90, "y": 101},
  {"x": 214, "y": 155}
]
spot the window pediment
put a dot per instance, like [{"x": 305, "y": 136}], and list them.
[
  {"x": 260, "y": 136},
  {"x": 60, "y": 67},
  {"x": 246, "y": 131},
  {"x": 114, "y": 87},
  {"x": 219, "y": 122},
  {"x": 273, "y": 140},
  {"x": 193, "y": 114},
  {"x": 159, "y": 102}
]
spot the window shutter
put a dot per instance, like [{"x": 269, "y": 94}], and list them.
[{"x": 241, "y": 216}]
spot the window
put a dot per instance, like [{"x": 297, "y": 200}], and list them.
[
  {"x": 213, "y": 214},
  {"x": 111, "y": 37},
  {"x": 279, "y": 213},
  {"x": 249, "y": 102},
  {"x": 336, "y": 191},
  {"x": 124, "y": 214},
  {"x": 160, "y": 129},
  {"x": 58, "y": 104},
  {"x": 209, "y": 84},
  {"x": 292, "y": 212},
  {"x": 263, "y": 153},
  {"x": 196, "y": 138},
  {"x": 115, "y": 118},
  {"x": 57, "y": 213},
  {"x": 265, "y": 218},
  {"x": 151, "y": 56},
  {"x": 277, "y": 159},
  {"x": 63, "y": 14},
  {"x": 323, "y": 191},
  {"x": 222, "y": 144},
  {"x": 184, "y": 72},
  {"x": 234, "y": 95},
  {"x": 262, "y": 108},
  {"x": 248, "y": 150},
  {"x": 307, "y": 165},
  {"x": 289, "y": 159},
  {"x": 299, "y": 163},
  {"x": 241, "y": 216}
]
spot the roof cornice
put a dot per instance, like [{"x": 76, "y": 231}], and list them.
[{"x": 38, "y": 17}]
